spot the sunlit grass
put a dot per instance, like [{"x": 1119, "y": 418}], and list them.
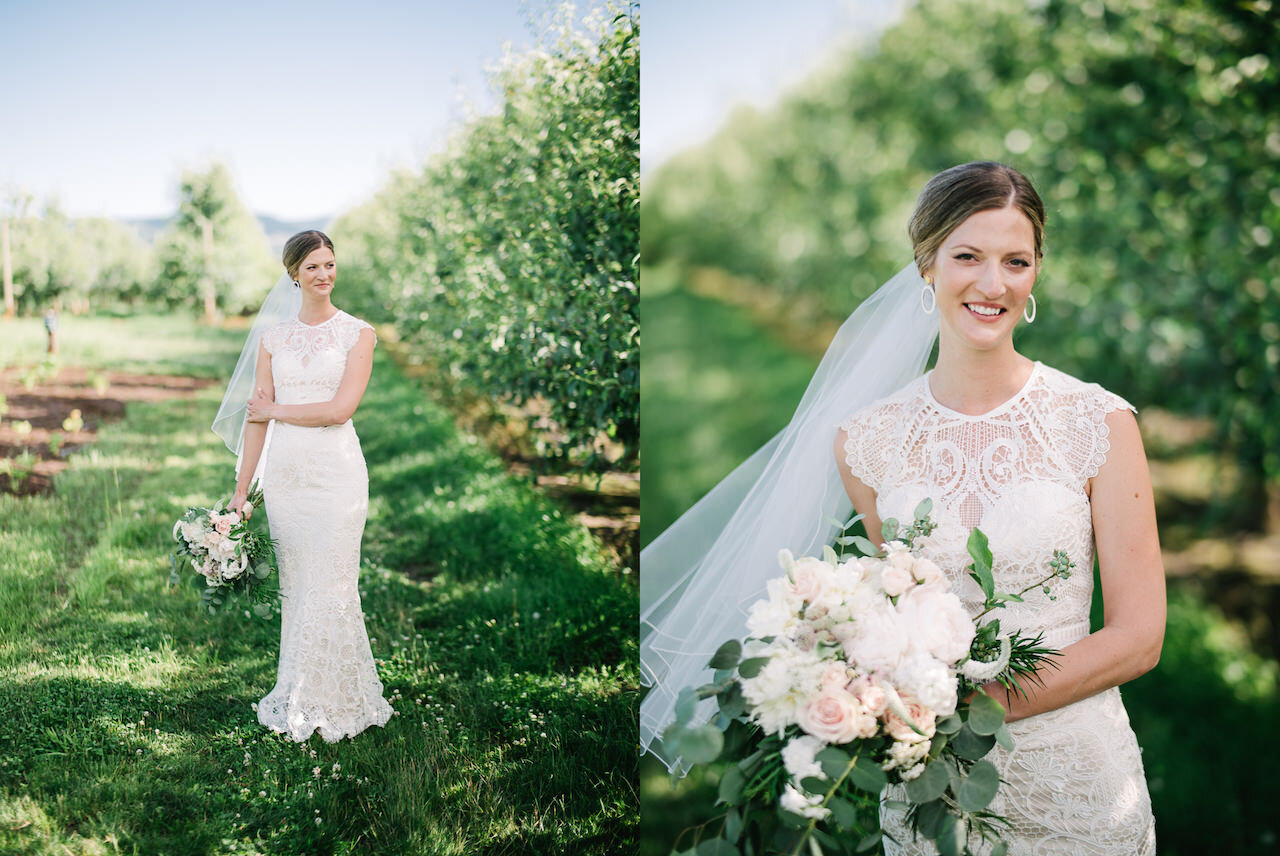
[{"x": 503, "y": 637}]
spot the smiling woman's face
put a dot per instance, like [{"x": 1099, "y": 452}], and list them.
[
  {"x": 982, "y": 276},
  {"x": 318, "y": 272}
]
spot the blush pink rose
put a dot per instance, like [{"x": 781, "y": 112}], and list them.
[
  {"x": 808, "y": 579},
  {"x": 835, "y": 677},
  {"x": 873, "y": 698},
  {"x": 896, "y": 579},
  {"x": 924, "y": 719},
  {"x": 836, "y": 716}
]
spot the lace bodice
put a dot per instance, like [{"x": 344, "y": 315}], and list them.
[
  {"x": 308, "y": 361},
  {"x": 1073, "y": 783},
  {"x": 1017, "y": 472}
]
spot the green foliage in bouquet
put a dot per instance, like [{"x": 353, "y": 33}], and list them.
[
  {"x": 946, "y": 801},
  {"x": 258, "y": 586}
]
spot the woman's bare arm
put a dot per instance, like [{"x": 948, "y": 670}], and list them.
[
  {"x": 864, "y": 498},
  {"x": 1133, "y": 586}
]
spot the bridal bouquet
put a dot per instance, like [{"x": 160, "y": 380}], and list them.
[
  {"x": 860, "y": 673},
  {"x": 231, "y": 557}
]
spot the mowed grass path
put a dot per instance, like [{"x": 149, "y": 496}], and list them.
[{"x": 504, "y": 639}]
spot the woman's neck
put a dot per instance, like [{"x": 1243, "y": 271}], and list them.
[
  {"x": 973, "y": 381},
  {"x": 316, "y": 310}
]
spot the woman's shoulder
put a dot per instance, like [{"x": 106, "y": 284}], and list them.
[{"x": 1063, "y": 388}]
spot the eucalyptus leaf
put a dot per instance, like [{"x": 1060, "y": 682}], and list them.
[
  {"x": 986, "y": 715},
  {"x": 866, "y": 774},
  {"x": 869, "y": 841},
  {"x": 700, "y": 745},
  {"x": 727, "y": 655},
  {"x": 924, "y": 508},
  {"x": 979, "y": 787},
  {"x": 1004, "y": 738},
  {"x": 929, "y": 818},
  {"x": 844, "y": 812},
  {"x": 930, "y": 784},
  {"x": 732, "y": 703},
  {"x": 814, "y": 785},
  {"x": 685, "y": 704},
  {"x": 732, "y": 826},
  {"x": 833, "y": 761},
  {"x": 829, "y": 555},
  {"x": 889, "y": 529},
  {"x": 1000, "y": 849},
  {"x": 971, "y": 746},
  {"x": 949, "y": 841},
  {"x": 864, "y": 546},
  {"x": 731, "y": 785},
  {"x": 717, "y": 847},
  {"x": 752, "y": 666},
  {"x": 949, "y": 724}
]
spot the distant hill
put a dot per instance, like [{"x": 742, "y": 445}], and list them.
[{"x": 278, "y": 231}]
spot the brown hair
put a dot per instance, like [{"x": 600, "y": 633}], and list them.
[
  {"x": 955, "y": 194},
  {"x": 301, "y": 245}
]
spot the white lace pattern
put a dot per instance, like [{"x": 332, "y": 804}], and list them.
[
  {"x": 1075, "y": 782},
  {"x": 316, "y": 489}
]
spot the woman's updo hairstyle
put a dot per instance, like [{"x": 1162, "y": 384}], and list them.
[
  {"x": 301, "y": 245},
  {"x": 954, "y": 195}
]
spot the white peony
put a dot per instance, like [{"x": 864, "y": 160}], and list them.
[
  {"x": 880, "y": 640},
  {"x": 937, "y": 623}
]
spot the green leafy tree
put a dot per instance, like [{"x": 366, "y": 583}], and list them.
[
  {"x": 215, "y": 254},
  {"x": 509, "y": 260}
]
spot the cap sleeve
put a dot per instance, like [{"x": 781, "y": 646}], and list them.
[
  {"x": 868, "y": 445},
  {"x": 349, "y": 332},
  {"x": 273, "y": 338},
  {"x": 1091, "y": 432}
]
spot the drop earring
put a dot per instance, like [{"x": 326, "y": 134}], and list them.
[
  {"x": 927, "y": 292},
  {"x": 1031, "y": 304}
]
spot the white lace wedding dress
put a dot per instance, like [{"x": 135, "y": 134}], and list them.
[
  {"x": 316, "y": 490},
  {"x": 1074, "y": 780}
]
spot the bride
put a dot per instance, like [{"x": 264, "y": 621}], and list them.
[
  {"x": 1037, "y": 459},
  {"x": 308, "y": 364}
]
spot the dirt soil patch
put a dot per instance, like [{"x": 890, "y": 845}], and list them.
[{"x": 40, "y": 427}]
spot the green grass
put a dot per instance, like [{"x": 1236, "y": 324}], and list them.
[
  {"x": 505, "y": 641},
  {"x": 715, "y": 386}
]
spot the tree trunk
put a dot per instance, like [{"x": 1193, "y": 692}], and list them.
[
  {"x": 206, "y": 276},
  {"x": 8, "y": 268}
]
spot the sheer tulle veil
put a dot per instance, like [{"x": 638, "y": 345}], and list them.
[
  {"x": 699, "y": 577},
  {"x": 282, "y": 304}
]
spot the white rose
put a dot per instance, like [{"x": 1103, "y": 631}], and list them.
[
  {"x": 809, "y": 578},
  {"x": 930, "y": 574},
  {"x": 896, "y": 579}
]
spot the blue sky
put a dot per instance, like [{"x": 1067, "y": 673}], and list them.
[
  {"x": 309, "y": 104},
  {"x": 702, "y": 58}
]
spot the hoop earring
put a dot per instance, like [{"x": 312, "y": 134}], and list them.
[
  {"x": 932, "y": 302},
  {"x": 1031, "y": 302},
  {"x": 296, "y": 285}
]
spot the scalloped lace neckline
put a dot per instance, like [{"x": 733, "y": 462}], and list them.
[
  {"x": 321, "y": 324},
  {"x": 1017, "y": 396}
]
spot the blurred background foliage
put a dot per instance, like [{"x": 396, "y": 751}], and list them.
[
  {"x": 508, "y": 263},
  {"x": 1152, "y": 131}
]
